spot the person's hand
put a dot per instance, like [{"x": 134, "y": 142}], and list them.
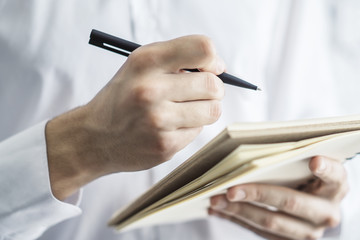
[
  {"x": 293, "y": 214},
  {"x": 151, "y": 109}
]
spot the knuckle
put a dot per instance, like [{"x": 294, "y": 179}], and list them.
[
  {"x": 156, "y": 119},
  {"x": 334, "y": 219},
  {"x": 206, "y": 46},
  {"x": 143, "y": 58},
  {"x": 214, "y": 110},
  {"x": 164, "y": 147},
  {"x": 315, "y": 234},
  {"x": 258, "y": 195},
  {"x": 234, "y": 209},
  {"x": 270, "y": 223},
  {"x": 290, "y": 204},
  {"x": 213, "y": 86},
  {"x": 144, "y": 94}
]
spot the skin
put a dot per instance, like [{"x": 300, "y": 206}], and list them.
[
  {"x": 300, "y": 214},
  {"x": 149, "y": 110}
]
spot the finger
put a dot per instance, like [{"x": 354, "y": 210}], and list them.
[
  {"x": 197, "y": 113},
  {"x": 332, "y": 175},
  {"x": 328, "y": 170},
  {"x": 193, "y": 86},
  {"x": 188, "y": 52},
  {"x": 164, "y": 144},
  {"x": 242, "y": 223},
  {"x": 182, "y": 87},
  {"x": 167, "y": 143},
  {"x": 184, "y": 136},
  {"x": 310, "y": 208},
  {"x": 170, "y": 116},
  {"x": 266, "y": 220}
]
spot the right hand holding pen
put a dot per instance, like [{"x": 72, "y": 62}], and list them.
[{"x": 150, "y": 110}]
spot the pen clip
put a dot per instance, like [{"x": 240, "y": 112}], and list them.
[
  {"x": 108, "y": 47},
  {"x": 112, "y": 43}
]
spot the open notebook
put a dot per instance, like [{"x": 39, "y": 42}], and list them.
[{"x": 271, "y": 152}]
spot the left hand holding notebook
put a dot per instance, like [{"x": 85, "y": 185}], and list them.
[{"x": 295, "y": 214}]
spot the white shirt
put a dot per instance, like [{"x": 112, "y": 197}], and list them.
[{"x": 290, "y": 49}]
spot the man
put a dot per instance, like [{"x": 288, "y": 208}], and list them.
[{"x": 151, "y": 109}]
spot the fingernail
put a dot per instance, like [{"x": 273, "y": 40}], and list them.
[
  {"x": 221, "y": 203},
  {"x": 322, "y": 166},
  {"x": 237, "y": 195}
]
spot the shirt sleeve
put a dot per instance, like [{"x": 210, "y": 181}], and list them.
[{"x": 27, "y": 205}]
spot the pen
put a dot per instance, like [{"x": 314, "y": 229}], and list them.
[{"x": 124, "y": 47}]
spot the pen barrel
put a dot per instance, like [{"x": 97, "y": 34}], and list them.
[{"x": 100, "y": 38}]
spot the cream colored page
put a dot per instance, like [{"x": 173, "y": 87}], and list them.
[
  {"x": 242, "y": 155},
  {"x": 247, "y": 153},
  {"x": 238, "y": 157},
  {"x": 184, "y": 210},
  {"x": 269, "y": 170},
  {"x": 268, "y": 132},
  {"x": 343, "y": 120}
]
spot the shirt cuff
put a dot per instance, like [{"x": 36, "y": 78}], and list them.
[{"x": 27, "y": 205}]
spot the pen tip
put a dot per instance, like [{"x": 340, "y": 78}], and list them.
[{"x": 258, "y": 89}]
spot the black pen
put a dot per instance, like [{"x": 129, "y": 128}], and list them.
[{"x": 124, "y": 47}]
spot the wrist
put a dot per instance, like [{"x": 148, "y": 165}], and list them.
[{"x": 70, "y": 153}]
